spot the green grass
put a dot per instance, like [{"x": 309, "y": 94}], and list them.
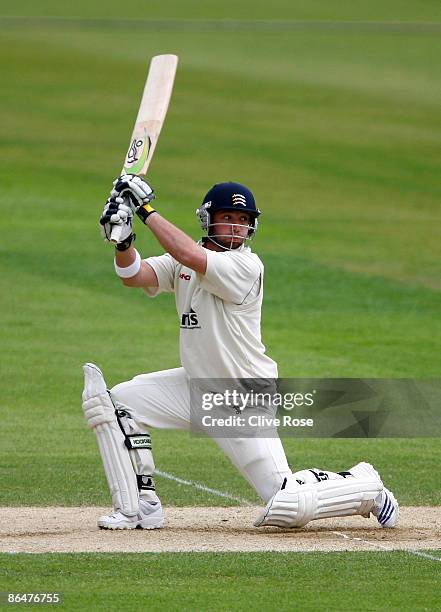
[
  {"x": 67, "y": 470},
  {"x": 189, "y": 581},
  {"x": 338, "y": 133},
  {"x": 394, "y": 10}
]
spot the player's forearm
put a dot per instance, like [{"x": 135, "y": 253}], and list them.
[
  {"x": 176, "y": 242},
  {"x": 145, "y": 277},
  {"x": 124, "y": 259}
]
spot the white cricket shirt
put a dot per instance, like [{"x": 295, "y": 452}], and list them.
[{"x": 219, "y": 314}]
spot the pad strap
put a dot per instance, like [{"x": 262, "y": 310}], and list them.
[
  {"x": 145, "y": 482},
  {"x": 139, "y": 445},
  {"x": 138, "y": 441}
]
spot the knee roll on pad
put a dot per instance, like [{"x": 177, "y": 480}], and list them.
[
  {"x": 97, "y": 406},
  {"x": 297, "y": 503},
  {"x": 98, "y": 410}
]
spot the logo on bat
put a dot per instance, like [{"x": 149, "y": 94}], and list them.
[{"x": 137, "y": 154}]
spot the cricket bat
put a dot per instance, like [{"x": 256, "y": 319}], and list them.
[{"x": 151, "y": 115}]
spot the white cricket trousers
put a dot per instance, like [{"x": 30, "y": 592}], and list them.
[{"x": 162, "y": 400}]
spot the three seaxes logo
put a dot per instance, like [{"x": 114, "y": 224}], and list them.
[
  {"x": 189, "y": 320},
  {"x": 238, "y": 198}
]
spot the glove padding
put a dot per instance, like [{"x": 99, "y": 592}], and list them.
[
  {"x": 138, "y": 191},
  {"x": 117, "y": 211}
]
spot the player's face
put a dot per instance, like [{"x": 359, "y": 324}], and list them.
[{"x": 231, "y": 227}]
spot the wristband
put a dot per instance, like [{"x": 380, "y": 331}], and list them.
[
  {"x": 145, "y": 211},
  {"x": 131, "y": 270}
]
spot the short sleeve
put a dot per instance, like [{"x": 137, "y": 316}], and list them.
[
  {"x": 164, "y": 267},
  {"x": 231, "y": 276}
]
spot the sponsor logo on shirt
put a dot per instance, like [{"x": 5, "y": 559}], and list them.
[
  {"x": 185, "y": 276},
  {"x": 189, "y": 320}
]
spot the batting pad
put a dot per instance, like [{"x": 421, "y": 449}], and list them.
[
  {"x": 100, "y": 416},
  {"x": 297, "y": 504}
]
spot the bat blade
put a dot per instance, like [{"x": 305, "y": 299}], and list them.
[
  {"x": 152, "y": 110},
  {"x": 151, "y": 115}
]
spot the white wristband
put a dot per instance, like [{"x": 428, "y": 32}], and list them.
[{"x": 131, "y": 270}]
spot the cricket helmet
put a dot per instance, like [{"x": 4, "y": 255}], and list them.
[{"x": 228, "y": 196}]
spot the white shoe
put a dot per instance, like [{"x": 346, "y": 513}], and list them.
[
  {"x": 385, "y": 507},
  {"x": 150, "y": 516}
]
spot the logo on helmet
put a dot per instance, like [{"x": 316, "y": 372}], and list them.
[{"x": 238, "y": 198}]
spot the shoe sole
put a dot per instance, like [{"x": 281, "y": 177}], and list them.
[
  {"x": 140, "y": 525},
  {"x": 158, "y": 526}
]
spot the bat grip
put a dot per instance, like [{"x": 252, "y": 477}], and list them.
[{"x": 116, "y": 233}]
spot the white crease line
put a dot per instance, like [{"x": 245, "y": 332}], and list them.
[
  {"x": 201, "y": 487},
  {"x": 418, "y": 553},
  {"x": 422, "y": 554}
]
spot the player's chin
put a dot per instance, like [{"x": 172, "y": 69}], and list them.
[
  {"x": 237, "y": 242},
  {"x": 231, "y": 243}
]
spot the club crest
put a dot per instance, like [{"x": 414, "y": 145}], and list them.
[{"x": 239, "y": 199}]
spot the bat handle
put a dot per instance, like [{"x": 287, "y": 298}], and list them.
[{"x": 116, "y": 233}]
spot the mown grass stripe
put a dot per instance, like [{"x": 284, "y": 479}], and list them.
[{"x": 263, "y": 25}]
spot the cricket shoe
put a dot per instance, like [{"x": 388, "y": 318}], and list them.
[
  {"x": 150, "y": 516},
  {"x": 385, "y": 507}
]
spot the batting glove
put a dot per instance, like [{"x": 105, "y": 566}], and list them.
[
  {"x": 138, "y": 191},
  {"x": 118, "y": 211}
]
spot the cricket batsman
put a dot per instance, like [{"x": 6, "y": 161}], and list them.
[{"x": 218, "y": 287}]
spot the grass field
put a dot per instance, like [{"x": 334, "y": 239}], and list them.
[
  {"x": 191, "y": 581},
  {"x": 337, "y": 130}
]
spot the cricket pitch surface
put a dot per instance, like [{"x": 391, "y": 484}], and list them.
[{"x": 216, "y": 529}]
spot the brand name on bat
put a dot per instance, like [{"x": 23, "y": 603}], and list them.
[
  {"x": 134, "y": 150},
  {"x": 137, "y": 154}
]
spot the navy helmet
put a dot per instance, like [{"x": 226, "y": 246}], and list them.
[{"x": 228, "y": 196}]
